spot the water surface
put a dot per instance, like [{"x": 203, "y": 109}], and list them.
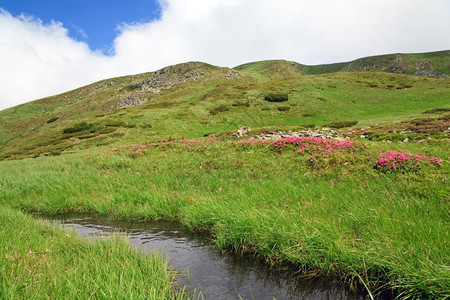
[{"x": 216, "y": 274}]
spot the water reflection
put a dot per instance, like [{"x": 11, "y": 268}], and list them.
[{"x": 218, "y": 275}]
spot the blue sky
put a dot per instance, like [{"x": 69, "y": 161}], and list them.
[
  {"x": 90, "y": 40},
  {"x": 92, "y": 21}
]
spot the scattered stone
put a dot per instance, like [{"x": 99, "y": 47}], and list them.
[
  {"x": 405, "y": 140},
  {"x": 277, "y": 134},
  {"x": 241, "y": 131}
]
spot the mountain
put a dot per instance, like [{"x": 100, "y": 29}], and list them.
[
  {"x": 196, "y": 99},
  {"x": 432, "y": 64}
]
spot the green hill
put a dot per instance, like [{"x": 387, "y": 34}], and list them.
[
  {"x": 195, "y": 99},
  {"x": 432, "y": 64}
]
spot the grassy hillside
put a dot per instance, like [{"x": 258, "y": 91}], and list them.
[
  {"x": 432, "y": 64},
  {"x": 195, "y": 99}
]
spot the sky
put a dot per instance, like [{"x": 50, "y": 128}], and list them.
[{"x": 52, "y": 46}]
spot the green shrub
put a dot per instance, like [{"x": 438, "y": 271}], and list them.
[
  {"x": 133, "y": 86},
  {"x": 341, "y": 124},
  {"x": 284, "y": 108},
  {"x": 53, "y": 119},
  {"x": 276, "y": 97},
  {"x": 437, "y": 110},
  {"x": 78, "y": 127},
  {"x": 309, "y": 125},
  {"x": 87, "y": 136},
  {"x": 219, "y": 109},
  {"x": 422, "y": 121},
  {"x": 241, "y": 104},
  {"x": 55, "y": 152},
  {"x": 146, "y": 125}
]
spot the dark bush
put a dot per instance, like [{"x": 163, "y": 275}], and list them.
[
  {"x": 436, "y": 110},
  {"x": 219, "y": 109},
  {"x": 78, "y": 127},
  {"x": 341, "y": 124},
  {"x": 241, "y": 104},
  {"x": 133, "y": 86},
  {"x": 309, "y": 125},
  {"x": 146, "y": 125},
  {"x": 273, "y": 97},
  {"x": 422, "y": 121},
  {"x": 87, "y": 136},
  {"x": 106, "y": 130},
  {"x": 52, "y": 119},
  {"x": 284, "y": 108}
]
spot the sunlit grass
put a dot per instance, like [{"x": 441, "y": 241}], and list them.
[
  {"x": 41, "y": 261},
  {"x": 342, "y": 218}
]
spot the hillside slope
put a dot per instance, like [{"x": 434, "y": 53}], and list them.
[
  {"x": 195, "y": 99},
  {"x": 432, "y": 64}
]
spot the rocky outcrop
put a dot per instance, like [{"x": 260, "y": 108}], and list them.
[
  {"x": 396, "y": 63},
  {"x": 428, "y": 68},
  {"x": 129, "y": 101},
  {"x": 276, "y": 134},
  {"x": 189, "y": 72},
  {"x": 241, "y": 131},
  {"x": 393, "y": 63},
  {"x": 170, "y": 77}
]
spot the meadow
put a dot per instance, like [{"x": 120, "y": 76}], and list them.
[
  {"x": 370, "y": 209},
  {"x": 329, "y": 208}
]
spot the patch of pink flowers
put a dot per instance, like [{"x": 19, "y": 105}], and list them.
[
  {"x": 317, "y": 151},
  {"x": 395, "y": 160},
  {"x": 346, "y": 151}
]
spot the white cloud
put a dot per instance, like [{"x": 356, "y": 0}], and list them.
[{"x": 40, "y": 59}]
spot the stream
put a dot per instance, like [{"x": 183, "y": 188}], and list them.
[{"x": 204, "y": 267}]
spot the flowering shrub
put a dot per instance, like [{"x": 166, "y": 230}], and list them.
[
  {"x": 394, "y": 160},
  {"x": 317, "y": 152}
]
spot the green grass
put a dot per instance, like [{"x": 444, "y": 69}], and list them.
[
  {"x": 41, "y": 261},
  {"x": 342, "y": 220},
  {"x": 337, "y": 217}
]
